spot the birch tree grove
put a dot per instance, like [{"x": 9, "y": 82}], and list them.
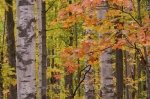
[
  {"x": 74, "y": 49},
  {"x": 25, "y": 64}
]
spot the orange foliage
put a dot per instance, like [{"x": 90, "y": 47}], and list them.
[
  {"x": 57, "y": 76},
  {"x": 70, "y": 66},
  {"x": 89, "y": 49}
]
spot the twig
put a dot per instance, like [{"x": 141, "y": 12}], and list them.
[
  {"x": 128, "y": 14},
  {"x": 74, "y": 93},
  {"x": 137, "y": 49},
  {"x": 50, "y": 6}
]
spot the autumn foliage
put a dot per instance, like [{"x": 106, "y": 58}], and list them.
[{"x": 132, "y": 32}]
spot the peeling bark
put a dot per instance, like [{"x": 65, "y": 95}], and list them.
[{"x": 25, "y": 50}]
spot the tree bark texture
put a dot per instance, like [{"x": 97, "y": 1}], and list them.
[
  {"x": 25, "y": 47},
  {"x": 89, "y": 83},
  {"x": 42, "y": 48},
  {"x": 107, "y": 88},
  {"x": 119, "y": 70}
]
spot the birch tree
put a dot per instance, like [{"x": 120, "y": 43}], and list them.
[
  {"x": 89, "y": 83},
  {"x": 107, "y": 89},
  {"x": 42, "y": 48},
  {"x": 89, "y": 77},
  {"x": 25, "y": 47}
]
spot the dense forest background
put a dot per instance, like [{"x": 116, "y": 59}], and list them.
[{"x": 74, "y": 49}]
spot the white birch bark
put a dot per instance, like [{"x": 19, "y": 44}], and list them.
[
  {"x": 89, "y": 78},
  {"x": 25, "y": 62},
  {"x": 107, "y": 89},
  {"x": 89, "y": 83}
]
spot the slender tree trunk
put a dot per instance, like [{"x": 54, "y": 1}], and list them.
[
  {"x": 146, "y": 63},
  {"x": 48, "y": 65},
  {"x": 147, "y": 73},
  {"x": 54, "y": 81},
  {"x": 11, "y": 45},
  {"x": 139, "y": 71},
  {"x": 119, "y": 70},
  {"x": 1, "y": 78},
  {"x": 69, "y": 77},
  {"x": 89, "y": 84},
  {"x": 129, "y": 73},
  {"x": 107, "y": 88},
  {"x": 42, "y": 48},
  {"x": 25, "y": 63},
  {"x": 89, "y": 77},
  {"x": 1, "y": 60}
]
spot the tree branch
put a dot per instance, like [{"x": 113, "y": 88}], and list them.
[
  {"x": 74, "y": 93},
  {"x": 137, "y": 49},
  {"x": 50, "y": 6},
  {"x": 117, "y": 8}
]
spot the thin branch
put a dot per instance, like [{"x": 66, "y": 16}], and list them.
[
  {"x": 128, "y": 14},
  {"x": 137, "y": 49},
  {"x": 50, "y": 6},
  {"x": 74, "y": 93},
  {"x": 84, "y": 68},
  {"x": 54, "y": 29}
]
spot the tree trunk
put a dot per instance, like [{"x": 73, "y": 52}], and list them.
[
  {"x": 107, "y": 88},
  {"x": 139, "y": 71},
  {"x": 11, "y": 45},
  {"x": 1, "y": 60},
  {"x": 54, "y": 81},
  {"x": 119, "y": 70},
  {"x": 128, "y": 72},
  {"x": 69, "y": 77},
  {"x": 89, "y": 77},
  {"x": 42, "y": 48},
  {"x": 1, "y": 78},
  {"x": 25, "y": 63},
  {"x": 89, "y": 84}
]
